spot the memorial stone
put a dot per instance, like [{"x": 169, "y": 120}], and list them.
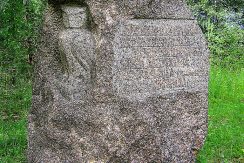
[{"x": 119, "y": 81}]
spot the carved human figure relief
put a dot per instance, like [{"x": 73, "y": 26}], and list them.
[{"x": 76, "y": 46}]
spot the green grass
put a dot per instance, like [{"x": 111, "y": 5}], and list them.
[
  {"x": 224, "y": 143},
  {"x": 15, "y": 102},
  {"x": 225, "y": 140},
  {"x": 13, "y": 141}
]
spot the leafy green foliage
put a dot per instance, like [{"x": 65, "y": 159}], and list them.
[
  {"x": 227, "y": 47},
  {"x": 223, "y": 23},
  {"x": 12, "y": 34},
  {"x": 19, "y": 25},
  {"x": 18, "y": 36}
]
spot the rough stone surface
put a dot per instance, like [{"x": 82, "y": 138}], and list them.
[{"x": 119, "y": 81}]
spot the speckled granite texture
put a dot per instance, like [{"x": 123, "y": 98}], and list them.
[{"x": 119, "y": 81}]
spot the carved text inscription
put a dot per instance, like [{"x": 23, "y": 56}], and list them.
[{"x": 155, "y": 57}]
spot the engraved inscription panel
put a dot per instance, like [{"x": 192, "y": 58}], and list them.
[{"x": 155, "y": 57}]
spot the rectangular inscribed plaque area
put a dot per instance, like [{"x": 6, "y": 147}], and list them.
[{"x": 157, "y": 57}]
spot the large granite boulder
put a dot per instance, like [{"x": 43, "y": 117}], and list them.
[{"x": 119, "y": 81}]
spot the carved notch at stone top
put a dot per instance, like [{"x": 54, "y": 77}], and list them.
[{"x": 74, "y": 16}]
